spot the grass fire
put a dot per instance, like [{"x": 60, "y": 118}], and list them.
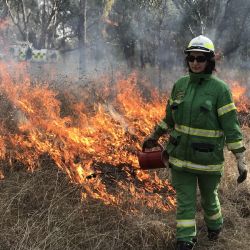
[
  {"x": 85, "y": 138},
  {"x": 93, "y": 132},
  {"x": 91, "y": 92}
]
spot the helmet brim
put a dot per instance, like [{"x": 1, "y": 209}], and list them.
[{"x": 199, "y": 50}]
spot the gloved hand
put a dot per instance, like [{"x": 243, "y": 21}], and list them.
[
  {"x": 150, "y": 142},
  {"x": 242, "y": 167}
]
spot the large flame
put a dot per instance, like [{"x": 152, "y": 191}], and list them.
[{"x": 90, "y": 131}]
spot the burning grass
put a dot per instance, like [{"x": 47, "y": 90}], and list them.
[
  {"x": 43, "y": 210},
  {"x": 87, "y": 131},
  {"x": 83, "y": 189}
]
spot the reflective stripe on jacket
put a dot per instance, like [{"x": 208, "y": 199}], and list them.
[{"x": 202, "y": 115}]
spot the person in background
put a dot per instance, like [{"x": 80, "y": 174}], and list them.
[{"x": 202, "y": 117}]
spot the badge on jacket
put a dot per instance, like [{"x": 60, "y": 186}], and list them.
[{"x": 180, "y": 95}]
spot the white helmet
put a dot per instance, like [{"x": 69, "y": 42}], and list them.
[{"x": 200, "y": 43}]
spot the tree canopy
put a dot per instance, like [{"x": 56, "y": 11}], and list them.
[{"x": 140, "y": 31}]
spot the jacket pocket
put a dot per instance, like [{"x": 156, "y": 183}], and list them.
[
  {"x": 203, "y": 154},
  {"x": 206, "y": 151},
  {"x": 206, "y": 106},
  {"x": 205, "y": 113}
]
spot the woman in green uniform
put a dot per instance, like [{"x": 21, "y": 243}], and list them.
[{"x": 202, "y": 117}]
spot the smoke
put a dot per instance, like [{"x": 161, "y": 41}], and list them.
[
  {"x": 153, "y": 39},
  {"x": 120, "y": 119},
  {"x": 131, "y": 35}
]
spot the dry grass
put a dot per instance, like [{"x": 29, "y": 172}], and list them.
[{"x": 42, "y": 210}]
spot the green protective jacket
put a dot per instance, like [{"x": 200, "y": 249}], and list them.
[{"x": 202, "y": 117}]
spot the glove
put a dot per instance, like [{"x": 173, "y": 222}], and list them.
[
  {"x": 242, "y": 167},
  {"x": 150, "y": 142}
]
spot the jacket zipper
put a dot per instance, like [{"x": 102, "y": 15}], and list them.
[{"x": 189, "y": 123}]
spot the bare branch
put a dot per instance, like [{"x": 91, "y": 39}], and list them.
[
  {"x": 191, "y": 30},
  {"x": 10, "y": 12},
  {"x": 15, "y": 20}
]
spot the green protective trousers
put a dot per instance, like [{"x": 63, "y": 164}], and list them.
[{"x": 185, "y": 184}]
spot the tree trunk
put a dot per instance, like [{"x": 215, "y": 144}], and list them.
[
  {"x": 82, "y": 37},
  {"x": 142, "y": 61},
  {"x": 159, "y": 56},
  {"x": 42, "y": 40}
]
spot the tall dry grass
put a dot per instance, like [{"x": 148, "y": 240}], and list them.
[{"x": 43, "y": 210}]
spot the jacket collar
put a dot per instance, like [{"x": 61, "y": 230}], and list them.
[{"x": 194, "y": 77}]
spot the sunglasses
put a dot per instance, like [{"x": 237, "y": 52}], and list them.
[{"x": 199, "y": 59}]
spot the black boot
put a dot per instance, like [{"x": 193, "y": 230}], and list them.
[
  {"x": 184, "y": 245},
  {"x": 213, "y": 234}
]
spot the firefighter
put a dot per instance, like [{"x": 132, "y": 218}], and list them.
[{"x": 202, "y": 117}]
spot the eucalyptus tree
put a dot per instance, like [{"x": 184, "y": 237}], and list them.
[
  {"x": 144, "y": 31},
  {"x": 38, "y": 20},
  {"x": 224, "y": 21}
]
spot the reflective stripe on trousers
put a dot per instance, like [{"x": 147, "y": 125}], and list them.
[
  {"x": 213, "y": 217},
  {"x": 185, "y": 184},
  {"x": 185, "y": 223}
]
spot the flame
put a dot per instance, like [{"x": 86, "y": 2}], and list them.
[
  {"x": 90, "y": 132},
  {"x": 238, "y": 91},
  {"x": 240, "y": 98},
  {"x": 93, "y": 131}
]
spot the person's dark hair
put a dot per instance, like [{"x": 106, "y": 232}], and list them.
[{"x": 210, "y": 63}]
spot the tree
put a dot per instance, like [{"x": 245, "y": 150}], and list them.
[
  {"x": 82, "y": 35},
  {"x": 224, "y": 21},
  {"x": 37, "y": 22},
  {"x": 142, "y": 32},
  {"x": 20, "y": 16}
]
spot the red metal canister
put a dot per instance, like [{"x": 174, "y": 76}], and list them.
[{"x": 152, "y": 159}]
